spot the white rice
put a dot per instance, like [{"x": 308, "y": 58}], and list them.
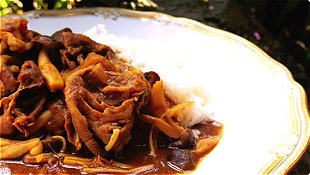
[{"x": 153, "y": 55}]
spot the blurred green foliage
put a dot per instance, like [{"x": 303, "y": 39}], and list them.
[
  {"x": 10, "y": 6},
  {"x": 289, "y": 22},
  {"x": 19, "y": 6}
]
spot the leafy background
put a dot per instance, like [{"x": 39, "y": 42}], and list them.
[{"x": 280, "y": 27}]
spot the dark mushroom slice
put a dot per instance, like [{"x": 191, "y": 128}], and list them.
[{"x": 182, "y": 159}]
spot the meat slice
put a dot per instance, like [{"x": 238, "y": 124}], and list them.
[
  {"x": 53, "y": 41},
  {"x": 59, "y": 110},
  {"x": 30, "y": 93},
  {"x": 102, "y": 101},
  {"x": 6, "y": 127},
  {"x": 46, "y": 41},
  {"x": 77, "y": 45},
  {"x": 6, "y": 118},
  {"x": 30, "y": 75},
  {"x": 9, "y": 68},
  {"x": 15, "y": 36},
  {"x": 72, "y": 135},
  {"x": 57, "y": 36},
  {"x": 8, "y": 83},
  {"x": 21, "y": 108}
]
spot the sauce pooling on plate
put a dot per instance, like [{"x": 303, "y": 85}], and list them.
[
  {"x": 70, "y": 105},
  {"x": 136, "y": 153}
]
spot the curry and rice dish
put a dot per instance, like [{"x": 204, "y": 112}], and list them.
[{"x": 71, "y": 105}]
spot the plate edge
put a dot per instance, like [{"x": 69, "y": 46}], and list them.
[{"x": 200, "y": 28}]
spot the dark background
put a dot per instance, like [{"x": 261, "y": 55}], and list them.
[{"x": 280, "y": 27}]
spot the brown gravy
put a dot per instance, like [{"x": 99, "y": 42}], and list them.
[{"x": 136, "y": 153}]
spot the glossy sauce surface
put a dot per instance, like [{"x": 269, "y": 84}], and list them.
[{"x": 136, "y": 153}]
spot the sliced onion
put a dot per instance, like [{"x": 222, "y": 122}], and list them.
[{"x": 112, "y": 140}]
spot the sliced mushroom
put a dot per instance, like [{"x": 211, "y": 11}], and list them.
[
  {"x": 4, "y": 142},
  {"x": 17, "y": 149},
  {"x": 50, "y": 73}
]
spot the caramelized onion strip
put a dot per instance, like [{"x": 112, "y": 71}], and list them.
[
  {"x": 112, "y": 140},
  {"x": 157, "y": 103},
  {"x": 163, "y": 126},
  {"x": 120, "y": 165},
  {"x": 73, "y": 160},
  {"x": 171, "y": 112}
]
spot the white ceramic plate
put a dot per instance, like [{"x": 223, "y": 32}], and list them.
[{"x": 263, "y": 109}]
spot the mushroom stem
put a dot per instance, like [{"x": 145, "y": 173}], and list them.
[
  {"x": 19, "y": 148},
  {"x": 73, "y": 160},
  {"x": 50, "y": 73},
  {"x": 37, "y": 149},
  {"x": 119, "y": 171},
  {"x": 4, "y": 142}
]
